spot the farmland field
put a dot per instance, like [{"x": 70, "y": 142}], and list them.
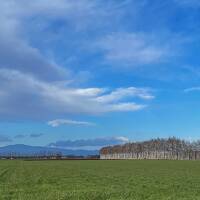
[{"x": 100, "y": 180}]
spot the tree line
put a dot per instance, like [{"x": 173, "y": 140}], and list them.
[{"x": 170, "y": 148}]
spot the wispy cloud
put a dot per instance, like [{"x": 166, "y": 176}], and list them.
[
  {"x": 20, "y": 136},
  {"x": 59, "y": 122},
  {"x": 123, "y": 93},
  {"x": 95, "y": 143},
  {"x": 36, "y": 135},
  {"x": 5, "y": 139},
  {"x": 17, "y": 17},
  {"x": 25, "y": 58},
  {"x": 49, "y": 99},
  {"x": 192, "y": 89},
  {"x": 130, "y": 48},
  {"x": 32, "y": 85},
  {"x": 32, "y": 135}
]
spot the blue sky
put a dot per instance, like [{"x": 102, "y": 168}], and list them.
[{"x": 89, "y": 69}]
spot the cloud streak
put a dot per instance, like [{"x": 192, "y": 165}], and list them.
[
  {"x": 59, "y": 122},
  {"x": 20, "y": 136},
  {"x": 32, "y": 135},
  {"x": 95, "y": 143},
  {"x": 192, "y": 89},
  {"x": 4, "y": 139},
  {"x": 25, "y": 58},
  {"x": 36, "y": 135},
  {"x": 132, "y": 49},
  {"x": 23, "y": 95},
  {"x": 123, "y": 93}
]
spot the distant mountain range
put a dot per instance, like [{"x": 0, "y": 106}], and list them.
[{"x": 25, "y": 150}]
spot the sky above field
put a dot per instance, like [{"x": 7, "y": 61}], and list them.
[{"x": 88, "y": 73}]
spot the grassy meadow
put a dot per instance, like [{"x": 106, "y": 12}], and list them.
[{"x": 100, "y": 180}]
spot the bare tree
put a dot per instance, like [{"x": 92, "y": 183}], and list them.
[{"x": 171, "y": 148}]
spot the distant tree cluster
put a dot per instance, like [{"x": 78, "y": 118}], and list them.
[
  {"x": 171, "y": 148},
  {"x": 39, "y": 155},
  {"x": 44, "y": 155}
]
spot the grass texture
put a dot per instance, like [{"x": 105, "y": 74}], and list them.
[{"x": 100, "y": 180}]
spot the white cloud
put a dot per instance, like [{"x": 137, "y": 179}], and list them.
[
  {"x": 16, "y": 51},
  {"x": 33, "y": 86},
  {"x": 122, "y": 93},
  {"x": 19, "y": 18},
  {"x": 91, "y": 92},
  {"x": 133, "y": 48},
  {"x": 123, "y": 139},
  {"x": 95, "y": 143},
  {"x": 24, "y": 95},
  {"x": 81, "y": 14},
  {"x": 47, "y": 8},
  {"x": 124, "y": 107},
  {"x": 59, "y": 122},
  {"x": 16, "y": 25}
]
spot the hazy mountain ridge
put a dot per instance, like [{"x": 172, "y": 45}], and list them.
[{"x": 26, "y": 150}]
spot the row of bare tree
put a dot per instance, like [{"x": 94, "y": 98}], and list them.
[{"x": 171, "y": 148}]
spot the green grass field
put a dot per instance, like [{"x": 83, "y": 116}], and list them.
[{"x": 102, "y": 180}]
